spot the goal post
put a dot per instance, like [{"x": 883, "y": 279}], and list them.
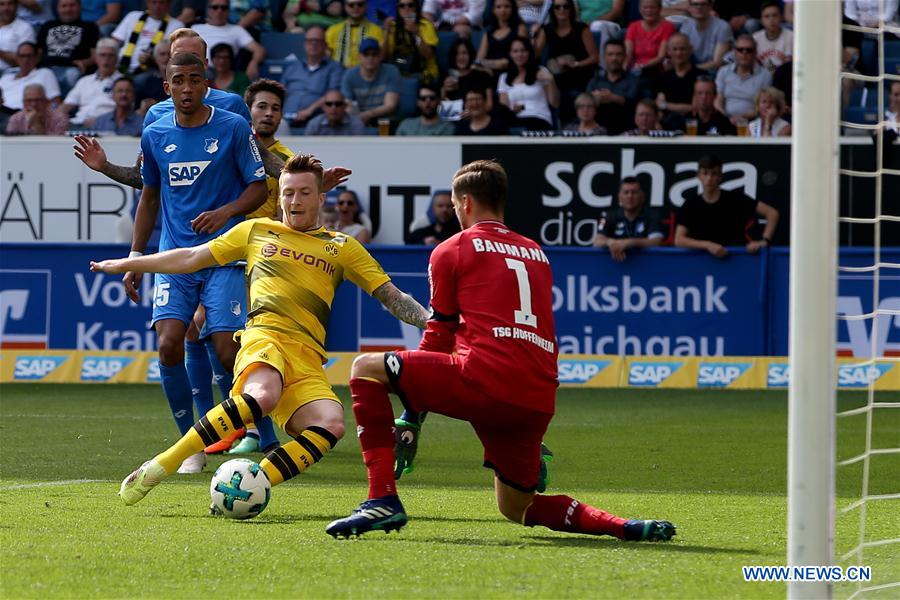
[{"x": 815, "y": 166}]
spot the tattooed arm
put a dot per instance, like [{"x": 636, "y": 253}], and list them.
[
  {"x": 401, "y": 305},
  {"x": 89, "y": 151}
]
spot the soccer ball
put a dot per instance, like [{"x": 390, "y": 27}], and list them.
[{"x": 240, "y": 489}]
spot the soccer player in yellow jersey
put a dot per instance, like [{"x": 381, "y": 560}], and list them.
[
  {"x": 294, "y": 267},
  {"x": 265, "y": 97}
]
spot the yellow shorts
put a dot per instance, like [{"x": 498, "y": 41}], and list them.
[{"x": 300, "y": 366}]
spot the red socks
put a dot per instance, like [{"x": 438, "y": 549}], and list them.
[
  {"x": 375, "y": 428},
  {"x": 562, "y": 513}
]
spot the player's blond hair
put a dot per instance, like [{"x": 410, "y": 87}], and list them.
[
  {"x": 305, "y": 163},
  {"x": 183, "y": 33},
  {"x": 485, "y": 181}
]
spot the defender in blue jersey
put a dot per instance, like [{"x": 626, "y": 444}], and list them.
[
  {"x": 201, "y": 165},
  {"x": 214, "y": 97}
]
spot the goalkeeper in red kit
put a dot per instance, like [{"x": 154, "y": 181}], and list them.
[{"x": 491, "y": 300}]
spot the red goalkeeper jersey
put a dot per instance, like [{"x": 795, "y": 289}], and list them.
[{"x": 492, "y": 299}]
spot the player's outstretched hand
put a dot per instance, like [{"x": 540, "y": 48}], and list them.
[
  {"x": 209, "y": 221},
  {"x": 112, "y": 265},
  {"x": 334, "y": 177},
  {"x": 89, "y": 151}
]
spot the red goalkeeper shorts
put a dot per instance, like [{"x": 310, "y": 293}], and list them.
[{"x": 511, "y": 435}]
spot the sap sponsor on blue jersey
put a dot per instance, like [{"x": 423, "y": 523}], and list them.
[
  {"x": 103, "y": 368},
  {"x": 37, "y": 367},
  {"x": 651, "y": 374},
  {"x": 580, "y": 371},
  {"x": 719, "y": 374}
]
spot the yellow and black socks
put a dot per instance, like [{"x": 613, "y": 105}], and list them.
[
  {"x": 296, "y": 456},
  {"x": 218, "y": 423}
]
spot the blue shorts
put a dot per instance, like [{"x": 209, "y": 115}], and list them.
[{"x": 221, "y": 290}]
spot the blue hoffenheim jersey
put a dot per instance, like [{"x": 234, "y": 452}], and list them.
[
  {"x": 198, "y": 169},
  {"x": 214, "y": 97}
]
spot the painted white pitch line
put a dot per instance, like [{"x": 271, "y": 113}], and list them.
[
  {"x": 103, "y": 417},
  {"x": 40, "y": 484}
]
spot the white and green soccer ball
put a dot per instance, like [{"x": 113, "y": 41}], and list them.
[{"x": 240, "y": 489}]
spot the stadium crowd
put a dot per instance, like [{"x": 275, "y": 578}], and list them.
[{"x": 438, "y": 67}]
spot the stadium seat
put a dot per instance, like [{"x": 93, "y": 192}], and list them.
[
  {"x": 273, "y": 69},
  {"x": 409, "y": 91},
  {"x": 280, "y": 45},
  {"x": 861, "y": 114},
  {"x": 892, "y": 65}
]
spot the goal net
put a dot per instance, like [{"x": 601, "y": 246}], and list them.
[{"x": 843, "y": 449}]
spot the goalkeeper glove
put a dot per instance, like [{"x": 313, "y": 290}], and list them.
[
  {"x": 406, "y": 441},
  {"x": 544, "y": 478}
]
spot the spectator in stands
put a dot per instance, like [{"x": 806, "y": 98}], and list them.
[
  {"x": 217, "y": 30},
  {"x": 92, "y": 94},
  {"x": 527, "y": 88},
  {"x": 307, "y": 81},
  {"x": 148, "y": 86},
  {"x": 445, "y": 224},
  {"x": 868, "y": 13},
  {"x": 741, "y": 15},
  {"x": 5, "y": 113},
  {"x": 67, "y": 44},
  {"x": 188, "y": 12},
  {"x": 460, "y": 16},
  {"x": 892, "y": 115},
  {"x": 710, "y": 36},
  {"x": 462, "y": 76},
  {"x": 37, "y": 117},
  {"x": 632, "y": 224},
  {"x": 586, "y": 123},
  {"x": 500, "y": 28},
  {"x": 373, "y": 86},
  {"x": 335, "y": 120},
  {"x": 224, "y": 76},
  {"x": 122, "y": 120},
  {"x": 615, "y": 90},
  {"x": 343, "y": 39},
  {"x": 14, "y": 80},
  {"x": 105, "y": 14},
  {"x": 300, "y": 15},
  {"x": 350, "y": 217},
  {"x": 328, "y": 216},
  {"x": 428, "y": 122},
  {"x": 674, "y": 85},
  {"x": 35, "y": 12},
  {"x": 410, "y": 43},
  {"x": 718, "y": 218},
  {"x": 602, "y": 16},
  {"x": 704, "y": 116},
  {"x": 645, "y": 40},
  {"x": 646, "y": 121},
  {"x": 770, "y": 107},
  {"x": 252, "y": 15},
  {"x": 774, "y": 43},
  {"x": 140, "y": 32},
  {"x": 738, "y": 83},
  {"x": 478, "y": 120},
  {"x": 532, "y": 14},
  {"x": 571, "y": 51},
  {"x": 13, "y": 31}
]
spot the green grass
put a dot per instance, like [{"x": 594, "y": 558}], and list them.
[{"x": 713, "y": 462}]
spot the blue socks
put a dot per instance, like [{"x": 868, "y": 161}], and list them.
[
  {"x": 222, "y": 377},
  {"x": 177, "y": 388},
  {"x": 200, "y": 375}
]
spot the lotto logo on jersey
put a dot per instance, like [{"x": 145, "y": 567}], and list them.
[
  {"x": 778, "y": 376},
  {"x": 861, "y": 376},
  {"x": 186, "y": 173},
  {"x": 35, "y": 368},
  {"x": 102, "y": 368},
  {"x": 651, "y": 374},
  {"x": 719, "y": 374},
  {"x": 580, "y": 371}
]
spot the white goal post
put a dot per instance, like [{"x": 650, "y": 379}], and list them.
[{"x": 815, "y": 164}]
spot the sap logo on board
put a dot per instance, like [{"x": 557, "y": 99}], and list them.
[
  {"x": 719, "y": 374},
  {"x": 860, "y": 376},
  {"x": 153, "y": 371},
  {"x": 186, "y": 173},
  {"x": 651, "y": 374},
  {"x": 329, "y": 363},
  {"x": 778, "y": 376},
  {"x": 102, "y": 368},
  {"x": 580, "y": 371},
  {"x": 35, "y": 368}
]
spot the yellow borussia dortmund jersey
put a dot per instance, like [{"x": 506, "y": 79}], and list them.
[
  {"x": 293, "y": 275},
  {"x": 270, "y": 208}
]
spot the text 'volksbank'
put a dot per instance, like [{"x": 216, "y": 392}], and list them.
[{"x": 578, "y": 295}]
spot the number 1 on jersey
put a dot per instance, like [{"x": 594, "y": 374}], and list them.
[{"x": 523, "y": 316}]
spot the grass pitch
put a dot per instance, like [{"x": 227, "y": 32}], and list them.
[{"x": 713, "y": 462}]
